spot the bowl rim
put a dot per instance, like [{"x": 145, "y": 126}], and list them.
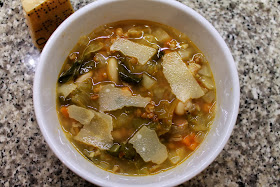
[{"x": 178, "y": 5}]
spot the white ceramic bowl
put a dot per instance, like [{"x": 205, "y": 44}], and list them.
[{"x": 171, "y": 13}]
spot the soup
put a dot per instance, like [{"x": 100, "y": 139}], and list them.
[{"x": 136, "y": 97}]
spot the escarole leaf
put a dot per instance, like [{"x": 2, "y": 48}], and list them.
[
  {"x": 126, "y": 150},
  {"x": 165, "y": 111},
  {"x": 66, "y": 89},
  {"x": 127, "y": 76},
  {"x": 92, "y": 48},
  {"x": 81, "y": 96},
  {"x": 71, "y": 73}
]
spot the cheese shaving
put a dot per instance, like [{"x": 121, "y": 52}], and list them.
[
  {"x": 181, "y": 80},
  {"x": 141, "y": 52},
  {"x": 148, "y": 146},
  {"x": 98, "y": 132},
  {"x": 112, "y": 98}
]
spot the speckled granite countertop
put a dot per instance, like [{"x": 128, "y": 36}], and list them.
[{"x": 251, "y": 158}]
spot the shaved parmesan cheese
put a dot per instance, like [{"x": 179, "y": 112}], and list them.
[
  {"x": 148, "y": 146},
  {"x": 141, "y": 52},
  {"x": 98, "y": 132},
  {"x": 66, "y": 89},
  {"x": 181, "y": 80},
  {"x": 112, "y": 98},
  {"x": 80, "y": 114}
]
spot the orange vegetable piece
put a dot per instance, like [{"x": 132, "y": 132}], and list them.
[
  {"x": 206, "y": 107},
  {"x": 167, "y": 43},
  {"x": 190, "y": 141},
  {"x": 187, "y": 141},
  {"x": 64, "y": 111}
]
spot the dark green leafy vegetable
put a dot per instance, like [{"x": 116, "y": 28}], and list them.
[
  {"x": 160, "y": 53},
  {"x": 71, "y": 73},
  {"x": 127, "y": 151},
  {"x": 159, "y": 127},
  {"x": 164, "y": 112},
  {"x": 61, "y": 100},
  {"x": 123, "y": 151},
  {"x": 152, "y": 67},
  {"x": 126, "y": 75},
  {"x": 153, "y": 125},
  {"x": 86, "y": 67},
  {"x": 115, "y": 150}
]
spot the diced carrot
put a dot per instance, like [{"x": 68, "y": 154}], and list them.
[
  {"x": 190, "y": 141},
  {"x": 206, "y": 107},
  {"x": 166, "y": 44},
  {"x": 192, "y": 135},
  {"x": 64, "y": 111},
  {"x": 187, "y": 141},
  {"x": 172, "y": 44}
]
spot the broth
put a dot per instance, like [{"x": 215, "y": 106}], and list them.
[{"x": 136, "y": 97}]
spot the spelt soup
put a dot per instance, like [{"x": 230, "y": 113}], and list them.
[{"x": 136, "y": 97}]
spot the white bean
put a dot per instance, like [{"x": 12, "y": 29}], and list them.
[
  {"x": 112, "y": 69},
  {"x": 180, "y": 108},
  {"x": 188, "y": 105}
]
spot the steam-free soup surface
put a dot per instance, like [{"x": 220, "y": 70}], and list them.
[{"x": 136, "y": 97}]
